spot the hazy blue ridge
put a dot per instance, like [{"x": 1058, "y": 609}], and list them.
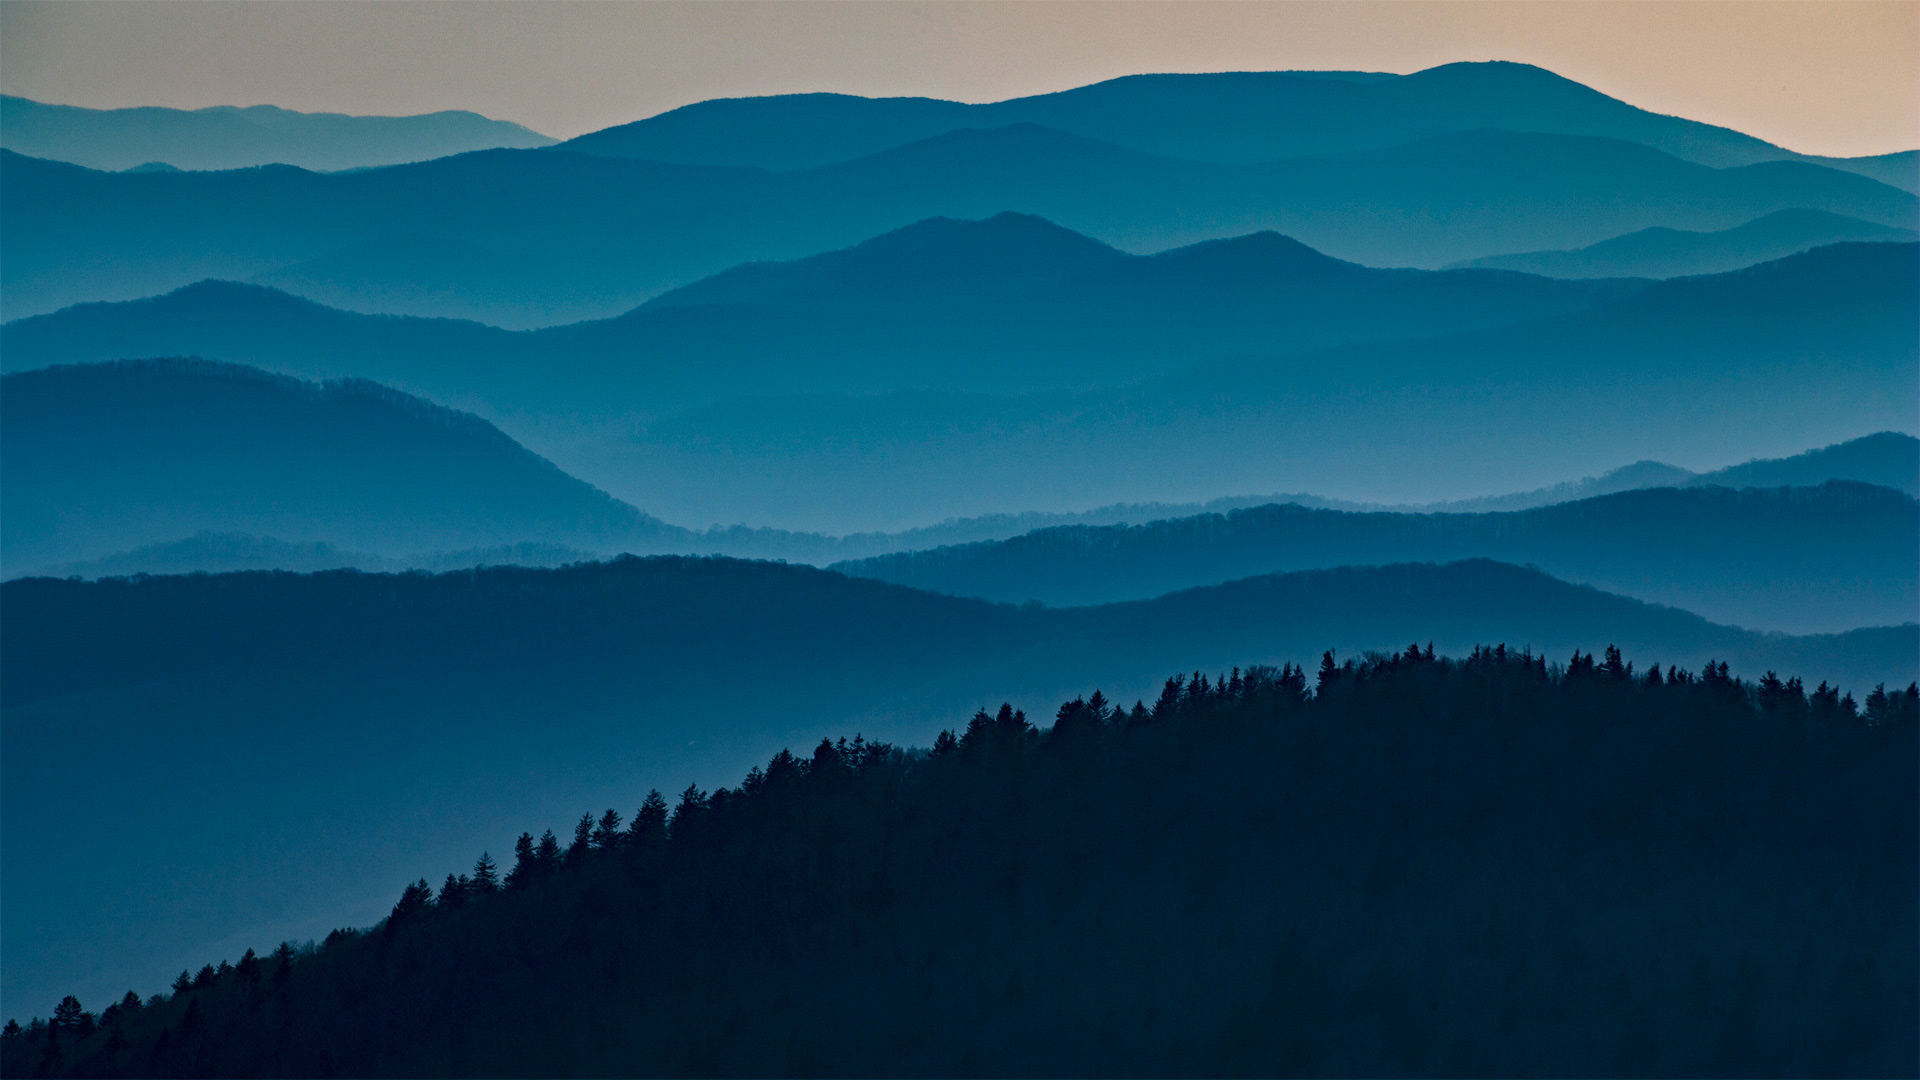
[
  {"x": 1800, "y": 559},
  {"x": 1665, "y": 253},
  {"x": 1221, "y": 117},
  {"x": 1804, "y": 351},
  {"x": 500, "y": 699},
  {"x": 1008, "y": 304},
  {"x": 1886, "y": 459},
  {"x": 540, "y": 237},
  {"x": 103, "y": 457},
  {"x": 215, "y": 552},
  {"x": 229, "y": 137}
]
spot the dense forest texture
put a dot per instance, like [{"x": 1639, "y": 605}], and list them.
[
  {"x": 1488, "y": 866},
  {"x": 427, "y": 714},
  {"x": 1802, "y": 560}
]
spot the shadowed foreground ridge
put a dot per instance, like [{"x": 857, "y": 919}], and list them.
[{"x": 1488, "y": 866}]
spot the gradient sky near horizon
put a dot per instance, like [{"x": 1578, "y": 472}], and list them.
[{"x": 1819, "y": 77}]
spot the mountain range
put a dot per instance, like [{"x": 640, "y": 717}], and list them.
[
  {"x": 1802, "y": 559},
  {"x": 1240, "y": 116},
  {"x": 1010, "y": 304},
  {"x": 226, "y": 137},
  {"x": 184, "y": 465},
  {"x": 231, "y": 716},
  {"x": 1664, "y": 253},
  {"x": 522, "y": 238},
  {"x": 1805, "y": 351},
  {"x": 879, "y": 387}
]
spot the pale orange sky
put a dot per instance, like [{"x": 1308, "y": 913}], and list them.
[{"x": 1823, "y": 77}]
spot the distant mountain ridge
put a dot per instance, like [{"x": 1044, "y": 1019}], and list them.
[
  {"x": 505, "y": 696},
  {"x": 1225, "y": 117},
  {"x": 536, "y": 238},
  {"x": 1796, "y": 559},
  {"x": 105, "y": 456},
  {"x": 226, "y": 137},
  {"x": 1664, "y": 253}
]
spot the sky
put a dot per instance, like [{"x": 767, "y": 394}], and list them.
[{"x": 1822, "y": 77}]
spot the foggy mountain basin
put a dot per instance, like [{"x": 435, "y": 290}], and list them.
[
  {"x": 174, "y": 675},
  {"x": 542, "y": 237}
]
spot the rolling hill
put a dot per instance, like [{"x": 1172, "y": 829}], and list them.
[
  {"x": 103, "y": 457},
  {"x": 522, "y": 238},
  {"x": 226, "y": 137},
  {"x": 1789, "y": 559},
  {"x": 432, "y": 716},
  {"x": 1223, "y": 117},
  {"x": 1665, "y": 253}
]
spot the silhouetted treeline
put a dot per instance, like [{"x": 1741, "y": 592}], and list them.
[{"x": 1414, "y": 865}]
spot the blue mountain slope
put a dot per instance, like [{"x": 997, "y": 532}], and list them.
[
  {"x": 507, "y": 698},
  {"x": 225, "y": 137},
  {"x": 1665, "y": 253},
  {"x": 105, "y": 457},
  {"x": 523, "y": 238},
  {"x": 1224, "y": 117}
]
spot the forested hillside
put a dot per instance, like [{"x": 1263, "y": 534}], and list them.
[
  {"x": 1797, "y": 559},
  {"x": 1420, "y": 866},
  {"x": 494, "y": 694}
]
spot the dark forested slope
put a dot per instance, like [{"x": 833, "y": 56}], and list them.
[
  {"x": 1797, "y": 559},
  {"x": 1421, "y": 866},
  {"x": 429, "y": 714},
  {"x": 103, "y": 457}
]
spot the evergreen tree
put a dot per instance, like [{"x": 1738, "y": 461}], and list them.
[
  {"x": 649, "y": 828},
  {"x": 486, "y": 877},
  {"x": 526, "y": 864}
]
